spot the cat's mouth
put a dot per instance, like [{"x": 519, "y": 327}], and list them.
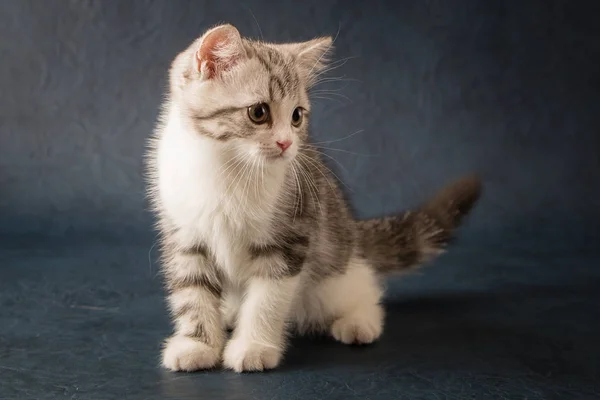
[{"x": 275, "y": 155}]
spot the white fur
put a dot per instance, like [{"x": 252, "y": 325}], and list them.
[
  {"x": 213, "y": 202},
  {"x": 351, "y": 300},
  {"x": 260, "y": 333},
  {"x": 186, "y": 354},
  {"x": 231, "y": 304}
]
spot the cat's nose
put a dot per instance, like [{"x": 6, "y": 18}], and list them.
[{"x": 284, "y": 144}]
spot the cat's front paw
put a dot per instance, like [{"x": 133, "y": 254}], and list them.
[
  {"x": 182, "y": 353},
  {"x": 243, "y": 355}
]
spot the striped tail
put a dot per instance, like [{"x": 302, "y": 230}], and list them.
[{"x": 407, "y": 240}]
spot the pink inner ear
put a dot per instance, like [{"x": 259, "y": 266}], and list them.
[{"x": 220, "y": 50}]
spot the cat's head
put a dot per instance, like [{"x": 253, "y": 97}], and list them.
[{"x": 249, "y": 97}]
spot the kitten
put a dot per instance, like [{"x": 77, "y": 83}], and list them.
[{"x": 256, "y": 235}]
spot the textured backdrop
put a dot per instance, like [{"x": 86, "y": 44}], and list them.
[
  {"x": 437, "y": 89},
  {"x": 431, "y": 90}
]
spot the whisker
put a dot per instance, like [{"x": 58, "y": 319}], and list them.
[
  {"x": 257, "y": 186},
  {"x": 226, "y": 195},
  {"x": 325, "y": 91},
  {"x": 341, "y": 78},
  {"x": 333, "y": 94},
  {"x": 327, "y": 155},
  {"x": 230, "y": 163},
  {"x": 312, "y": 188},
  {"x": 340, "y": 150},
  {"x": 318, "y": 166},
  {"x": 262, "y": 174},
  {"x": 340, "y": 139},
  {"x": 299, "y": 194},
  {"x": 334, "y": 65},
  {"x": 341, "y": 61},
  {"x": 328, "y": 98},
  {"x": 253, "y": 181},
  {"x": 242, "y": 204},
  {"x": 235, "y": 180}
]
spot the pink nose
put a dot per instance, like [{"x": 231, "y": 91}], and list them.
[{"x": 284, "y": 144}]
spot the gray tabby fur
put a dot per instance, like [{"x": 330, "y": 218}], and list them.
[{"x": 263, "y": 242}]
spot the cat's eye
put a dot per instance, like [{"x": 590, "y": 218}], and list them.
[
  {"x": 259, "y": 113},
  {"x": 297, "y": 116}
]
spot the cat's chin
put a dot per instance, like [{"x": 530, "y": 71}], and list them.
[{"x": 277, "y": 158}]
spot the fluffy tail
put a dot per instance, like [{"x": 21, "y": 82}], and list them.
[{"x": 407, "y": 240}]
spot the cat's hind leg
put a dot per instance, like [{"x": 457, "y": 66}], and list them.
[{"x": 351, "y": 302}]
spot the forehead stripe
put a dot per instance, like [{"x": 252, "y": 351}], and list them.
[
  {"x": 264, "y": 62},
  {"x": 282, "y": 83},
  {"x": 276, "y": 83}
]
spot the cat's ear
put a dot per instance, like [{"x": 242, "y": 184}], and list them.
[
  {"x": 312, "y": 56},
  {"x": 219, "y": 50}
]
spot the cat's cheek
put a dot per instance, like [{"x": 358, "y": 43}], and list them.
[{"x": 243, "y": 148}]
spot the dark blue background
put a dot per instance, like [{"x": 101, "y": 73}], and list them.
[{"x": 439, "y": 89}]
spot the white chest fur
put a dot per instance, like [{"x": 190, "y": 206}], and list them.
[{"x": 211, "y": 197}]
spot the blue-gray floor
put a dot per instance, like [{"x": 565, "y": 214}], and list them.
[
  {"x": 85, "y": 321},
  {"x": 430, "y": 91}
]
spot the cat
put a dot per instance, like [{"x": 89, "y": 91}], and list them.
[{"x": 256, "y": 236}]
